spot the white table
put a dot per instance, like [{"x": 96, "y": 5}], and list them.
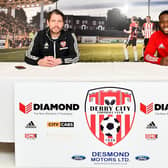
[{"x": 91, "y": 72}]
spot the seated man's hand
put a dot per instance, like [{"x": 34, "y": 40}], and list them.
[
  {"x": 49, "y": 61},
  {"x": 57, "y": 61},
  {"x": 164, "y": 61}
]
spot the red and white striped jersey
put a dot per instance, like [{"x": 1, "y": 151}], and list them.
[
  {"x": 134, "y": 30},
  {"x": 148, "y": 29}
]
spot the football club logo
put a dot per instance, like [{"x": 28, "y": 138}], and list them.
[
  {"x": 63, "y": 44},
  {"x": 110, "y": 113}
]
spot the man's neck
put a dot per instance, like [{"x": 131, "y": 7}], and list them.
[
  {"x": 55, "y": 35},
  {"x": 164, "y": 33}
]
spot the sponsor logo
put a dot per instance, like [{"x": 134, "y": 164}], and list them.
[
  {"x": 63, "y": 44},
  {"x": 161, "y": 46},
  {"x": 60, "y": 124},
  {"x": 110, "y": 113},
  {"x": 151, "y": 125},
  {"x": 110, "y": 157},
  {"x": 40, "y": 108},
  {"x": 51, "y": 107},
  {"x": 65, "y": 48},
  {"x": 46, "y": 45},
  {"x": 142, "y": 158},
  {"x": 30, "y": 125},
  {"x": 151, "y": 136},
  {"x": 160, "y": 109},
  {"x": 146, "y": 109},
  {"x": 78, "y": 157},
  {"x": 30, "y": 136},
  {"x": 150, "y": 58},
  {"x": 25, "y": 108}
]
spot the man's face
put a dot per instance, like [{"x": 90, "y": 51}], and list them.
[
  {"x": 163, "y": 22},
  {"x": 55, "y": 23},
  {"x": 132, "y": 19},
  {"x": 148, "y": 19}
]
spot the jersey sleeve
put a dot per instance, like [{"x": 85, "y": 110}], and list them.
[
  {"x": 130, "y": 28},
  {"x": 149, "y": 55},
  {"x": 32, "y": 54},
  {"x": 143, "y": 27},
  {"x": 74, "y": 54},
  {"x": 154, "y": 27}
]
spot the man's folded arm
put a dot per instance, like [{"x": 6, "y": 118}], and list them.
[
  {"x": 149, "y": 55},
  {"x": 32, "y": 54},
  {"x": 74, "y": 54}
]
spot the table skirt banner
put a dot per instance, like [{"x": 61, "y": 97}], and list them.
[{"x": 91, "y": 124}]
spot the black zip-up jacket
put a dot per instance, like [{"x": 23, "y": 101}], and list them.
[{"x": 65, "y": 47}]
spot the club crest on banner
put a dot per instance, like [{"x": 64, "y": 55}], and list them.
[
  {"x": 63, "y": 44},
  {"x": 110, "y": 113}
]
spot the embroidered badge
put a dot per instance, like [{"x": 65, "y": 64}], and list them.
[
  {"x": 161, "y": 46},
  {"x": 63, "y": 44},
  {"x": 46, "y": 45}
]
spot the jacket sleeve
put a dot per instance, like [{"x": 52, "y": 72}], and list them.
[
  {"x": 149, "y": 55},
  {"x": 74, "y": 54},
  {"x": 32, "y": 54}
]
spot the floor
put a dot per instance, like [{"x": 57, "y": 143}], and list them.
[{"x": 7, "y": 155}]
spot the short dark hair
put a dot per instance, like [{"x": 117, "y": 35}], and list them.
[
  {"x": 163, "y": 13},
  {"x": 57, "y": 12},
  {"x": 134, "y": 18},
  {"x": 148, "y": 16}
]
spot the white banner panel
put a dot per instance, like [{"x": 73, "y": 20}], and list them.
[{"x": 91, "y": 124}]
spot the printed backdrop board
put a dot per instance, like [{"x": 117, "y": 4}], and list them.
[
  {"x": 91, "y": 124},
  {"x": 2, "y": 44}
]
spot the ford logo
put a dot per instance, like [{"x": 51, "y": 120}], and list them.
[
  {"x": 142, "y": 158},
  {"x": 78, "y": 157}
]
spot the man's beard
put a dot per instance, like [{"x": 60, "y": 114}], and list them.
[
  {"x": 55, "y": 32},
  {"x": 165, "y": 32}
]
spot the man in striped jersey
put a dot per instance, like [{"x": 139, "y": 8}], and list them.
[
  {"x": 158, "y": 43},
  {"x": 132, "y": 38},
  {"x": 147, "y": 30},
  {"x": 53, "y": 46}
]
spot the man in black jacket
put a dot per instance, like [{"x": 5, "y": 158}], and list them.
[{"x": 53, "y": 46}]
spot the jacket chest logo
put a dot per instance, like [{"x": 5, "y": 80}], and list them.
[
  {"x": 46, "y": 45},
  {"x": 63, "y": 44},
  {"x": 161, "y": 46}
]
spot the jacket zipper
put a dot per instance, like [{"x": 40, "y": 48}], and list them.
[{"x": 55, "y": 49}]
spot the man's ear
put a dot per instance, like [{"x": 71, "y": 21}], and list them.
[{"x": 47, "y": 23}]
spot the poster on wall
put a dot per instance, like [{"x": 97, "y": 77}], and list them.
[
  {"x": 103, "y": 28},
  {"x": 90, "y": 124},
  {"x": 2, "y": 44}
]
